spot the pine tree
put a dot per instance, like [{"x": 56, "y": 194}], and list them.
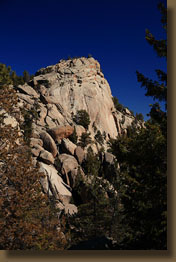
[
  {"x": 26, "y": 76},
  {"x": 97, "y": 213},
  {"x": 85, "y": 140},
  {"x": 82, "y": 118},
  {"x": 28, "y": 218},
  {"x": 73, "y": 137},
  {"x": 5, "y": 75},
  {"x": 142, "y": 155}
]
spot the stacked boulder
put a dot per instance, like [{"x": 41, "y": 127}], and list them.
[{"x": 57, "y": 93}]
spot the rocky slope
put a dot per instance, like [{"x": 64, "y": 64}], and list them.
[{"x": 56, "y": 93}]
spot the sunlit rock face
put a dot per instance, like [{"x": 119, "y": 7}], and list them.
[
  {"x": 56, "y": 94},
  {"x": 73, "y": 85}
]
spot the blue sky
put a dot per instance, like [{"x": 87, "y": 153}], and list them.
[{"x": 39, "y": 33}]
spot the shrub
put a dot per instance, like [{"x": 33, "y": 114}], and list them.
[
  {"x": 117, "y": 105},
  {"x": 99, "y": 137},
  {"x": 139, "y": 117},
  {"x": 85, "y": 140},
  {"x": 82, "y": 118},
  {"x": 73, "y": 137}
]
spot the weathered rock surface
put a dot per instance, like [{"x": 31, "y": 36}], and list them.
[
  {"x": 71, "y": 85},
  {"x": 71, "y": 209},
  {"x": 8, "y": 119},
  {"x": 26, "y": 89},
  {"x": 79, "y": 130},
  {"x": 68, "y": 163},
  {"x": 67, "y": 146},
  {"x": 61, "y": 132},
  {"x": 48, "y": 143},
  {"x": 109, "y": 158},
  {"x": 36, "y": 141},
  {"x": 53, "y": 184},
  {"x": 46, "y": 157},
  {"x": 36, "y": 149},
  {"x": 60, "y": 91},
  {"x": 79, "y": 154}
]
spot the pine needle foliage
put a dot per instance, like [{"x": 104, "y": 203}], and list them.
[{"x": 28, "y": 218}]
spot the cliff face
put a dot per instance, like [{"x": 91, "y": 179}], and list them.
[
  {"x": 56, "y": 93},
  {"x": 63, "y": 89}
]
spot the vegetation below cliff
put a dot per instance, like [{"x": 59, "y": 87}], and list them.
[{"x": 76, "y": 174}]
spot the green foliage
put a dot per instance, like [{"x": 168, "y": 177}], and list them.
[
  {"x": 117, "y": 105},
  {"x": 99, "y": 137},
  {"x": 139, "y": 117},
  {"x": 97, "y": 215},
  {"x": 157, "y": 89},
  {"x": 73, "y": 137},
  {"x": 160, "y": 46},
  {"x": 142, "y": 156},
  {"x": 57, "y": 164},
  {"x": 98, "y": 210},
  {"x": 82, "y": 118},
  {"x": 30, "y": 115},
  {"x": 7, "y": 76},
  {"x": 92, "y": 163},
  {"x": 28, "y": 218},
  {"x": 85, "y": 140},
  {"x": 26, "y": 76}
]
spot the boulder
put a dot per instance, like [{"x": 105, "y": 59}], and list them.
[
  {"x": 36, "y": 150},
  {"x": 54, "y": 185},
  {"x": 54, "y": 113},
  {"x": 42, "y": 112},
  {"x": 67, "y": 146},
  {"x": 69, "y": 166},
  {"x": 50, "y": 122},
  {"x": 48, "y": 143},
  {"x": 68, "y": 163},
  {"x": 79, "y": 154},
  {"x": 61, "y": 132},
  {"x": 127, "y": 111},
  {"x": 26, "y": 98},
  {"x": 8, "y": 120},
  {"x": 109, "y": 167},
  {"x": 46, "y": 157},
  {"x": 77, "y": 62},
  {"x": 35, "y": 141},
  {"x": 72, "y": 176},
  {"x": 79, "y": 130},
  {"x": 71, "y": 209},
  {"x": 109, "y": 158},
  {"x": 28, "y": 90}
]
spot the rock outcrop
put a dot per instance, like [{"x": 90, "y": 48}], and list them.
[{"x": 57, "y": 93}]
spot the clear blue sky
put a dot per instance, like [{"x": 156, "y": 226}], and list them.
[{"x": 38, "y": 33}]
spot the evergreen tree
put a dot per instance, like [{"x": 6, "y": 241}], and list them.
[
  {"x": 82, "y": 118},
  {"x": 117, "y": 105},
  {"x": 26, "y": 76},
  {"x": 85, "y": 140},
  {"x": 5, "y": 75},
  {"x": 99, "y": 137},
  {"x": 73, "y": 137},
  {"x": 142, "y": 155},
  {"x": 98, "y": 212},
  {"x": 28, "y": 218}
]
